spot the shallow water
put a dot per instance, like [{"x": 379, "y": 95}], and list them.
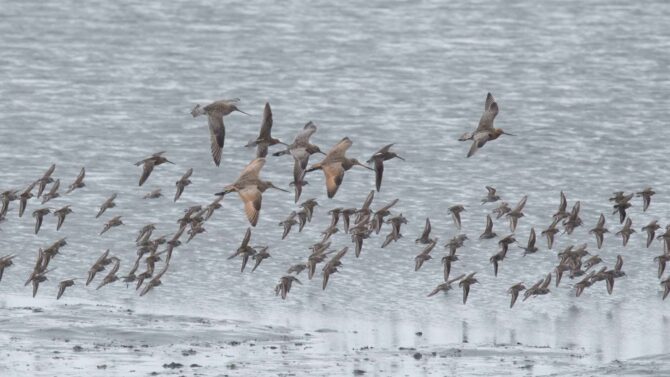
[{"x": 103, "y": 85}]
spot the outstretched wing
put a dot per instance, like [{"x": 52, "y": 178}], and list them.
[{"x": 217, "y": 132}]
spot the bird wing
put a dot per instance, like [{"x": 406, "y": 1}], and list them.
[
  {"x": 479, "y": 140},
  {"x": 490, "y": 113},
  {"x": 187, "y": 175},
  {"x": 368, "y": 200},
  {"x": 251, "y": 196},
  {"x": 334, "y": 173},
  {"x": 217, "y": 132},
  {"x": 379, "y": 171},
  {"x": 426, "y": 229},
  {"x": 619, "y": 263},
  {"x": 303, "y": 136},
  {"x": 489, "y": 224},
  {"x": 601, "y": 221},
  {"x": 252, "y": 170},
  {"x": 546, "y": 282},
  {"x": 522, "y": 203},
  {"x": 532, "y": 238},
  {"x": 338, "y": 151},
  {"x": 146, "y": 170},
  {"x": 266, "y": 125}
]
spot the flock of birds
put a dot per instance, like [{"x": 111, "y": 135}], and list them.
[{"x": 358, "y": 222}]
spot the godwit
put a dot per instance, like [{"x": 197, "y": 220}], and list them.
[
  {"x": 215, "y": 112},
  {"x": 485, "y": 131},
  {"x": 250, "y": 188}
]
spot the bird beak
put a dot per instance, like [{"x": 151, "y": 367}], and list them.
[
  {"x": 508, "y": 133},
  {"x": 280, "y": 189},
  {"x": 365, "y": 166},
  {"x": 242, "y": 112},
  {"x": 170, "y": 162}
]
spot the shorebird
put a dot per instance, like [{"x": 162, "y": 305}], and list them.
[
  {"x": 586, "y": 282},
  {"x": 622, "y": 203},
  {"x": 335, "y": 164},
  {"x": 465, "y": 283},
  {"x": 346, "y": 217},
  {"x": 391, "y": 237},
  {"x": 108, "y": 203},
  {"x": 5, "y": 262},
  {"x": 111, "y": 276},
  {"x": 506, "y": 241},
  {"x": 284, "y": 286},
  {"x": 297, "y": 268},
  {"x": 550, "y": 232},
  {"x": 425, "y": 235},
  {"x": 308, "y": 205},
  {"x": 211, "y": 207},
  {"x": 424, "y": 255},
  {"x": 626, "y": 231},
  {"x": 245, "y": 251},
  {"x": 484, "y": 131},
  {"x": 113, "y": 222},
  {"x": 562, "y": 208},
  {"x": 155, "y": 194},
  {"x": 456, "y": 214},
  {"x": 455, "y": 243},
  {"x": 447, "y": 260},
  {"x": 600, "y": 230},
  {"x": 651, "y": 229},
  {"x": 514, "y": 291},
  {"x": 530, "y": 248},
  {"x": 7, "y": 197},
  {"x": 149, "y": 163},
  {"x": 501, "y": 210},
  {"x": 250, "y": 188},
  {"x": 383, "y": 154},
  {"x": 610, "y": 275},
  {"x": 61, "y": 213},
  {"x": 592, "y": 261},
  {"x": 155, "y": 281},
  {"x": 62, "y": 286},
  {"x": 182, "y": 183},
  {"x": 444, "y": 287},
  {"x": 265, "y": 139},
  {"x": 332, "y": 265},
  {"x": 539, "y": 288},
  {"x": 53, "y": 192},
  {"x": 491, "y": 196},
  {"x": 573, "y": 219},
  {"x": 302, "y": 219},
  {"x": 215, "y": 112},
  {"x": 496, "y": 259},
  {"x": 300, "y": 150},
  {"x": 288, "y": 223},
  {"x": 98, "y": 266},
  {"x": 661, "y": 260},
  {"x": 78, "y": 182},
  {"x": 666, "y": 287},
  {"x": 396, "y": 222},
  {"x": 358, "y": 234},
  {"x": 45, "y": 180},
  {"x": 515, "y": 214},
  {"x": 24, "y": 196},
  {"x": 646, "y": 195},
  {"x": 488, "y": 232},
  {"x": 39, "y": 215},
  {"x": 261, "y": 255}
]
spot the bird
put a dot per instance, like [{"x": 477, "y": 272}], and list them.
[
  {"x": 514, "y": 291},
  {"x": 491, "y": 195},
  {"x": 260, "y": 255},
  {"x": 332, "y": 265},
  {"x": 456, "y": 214},
  {"x": 346, "y": 217},
  {"x": 288, "y": 223},
  {"x": 98, "y": 266},
  {"x": 111, "y": 276},
  {"x": 661, "y": 260},
  {"x": 245, "y": 251},
  {"x": 113, "y": 222},
  {"x": 592, "y": 261},
  {"x": 182, "y": 183},
  {"x": 626, "y": 231},
  {"x": 484, "y": 131},
  {"x": 78, "y": 182},
  {"x": 155, "y": 281},
  {"x": 301, "y": 149},
  {"x": 335, "y": 164},
  {"x": 284, "y": 286},
  {"x": 573, "y": 219},
  {"x": 378, "y": 158},
  {"x": 586, "y": 282},
  {"x": 621, "y": 204},
  {"x": 646, "y": 195},
  {"x": 600, "y": 230},
  {"x": 550, "y": 232},
  {"x": 39, "y": 215},
  {"x": 7, "y": 197},
  {"x": 215, "y": 112},
  {"x": 61, "y": 213},
  {"x": 530, "y": 247},
  {"x": 45, "y": 180},
  {"x": 149, "y": 163},
  {"x": 539, "y": 288},
  {"x": 265, "y": 139},
  {"x": 562, "y": 212},
  {"x": 488, "y": 232},
  {"x": 63, "y": 285},
  {"x": 444, "y": 287},
  {"x": 447, "y": 260},
  {"x": 154, "y": 194},
  {"x": 24, "y": 196},
  {"x": 651, "y": 229},
  {"x": 309, "y": 205},
  {"x": 515, "y": 214},
  {"x": 666, "y": 287},
  {"x": 424, "y": 255},
  {"x": 610, "y": 275},
  {"x": 496, "y": 259},
  {"x": 5, "y": 262},
  {"x": 425, "y": 235},
  {"x": 465, "y": 283},
  {"x": 53, "y": 192},
  {"x": 108, "y": 203},
  {"x": 250, "y": 188},
  {"x": 501, "y": 210}
]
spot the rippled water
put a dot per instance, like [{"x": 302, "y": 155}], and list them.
[{"x": 583, "y": 86}]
